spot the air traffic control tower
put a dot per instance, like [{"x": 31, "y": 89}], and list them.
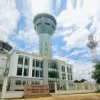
[{"x": 45, "y": 26}]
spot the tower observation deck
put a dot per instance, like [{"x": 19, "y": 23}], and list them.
[{"x": 45, "y": 25}]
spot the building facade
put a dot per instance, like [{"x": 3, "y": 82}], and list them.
[{"x": 30, "y": 68}]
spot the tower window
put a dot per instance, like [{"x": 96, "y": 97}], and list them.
[
  {"x": 47, "y": 23},
  {"x": 53, "y": 27},
  {"x": 38, "y": 24},
  {"x": 19, "y": 71},
  {"x": 20, "y": 60}
]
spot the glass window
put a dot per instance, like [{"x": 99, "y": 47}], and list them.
[
  {"x": 20, "y": 60},
  {"x": 63, "y": 76},
  {"x": 38, "y": 24},
  {"x": 33, "y": 62},
  {"x": 41, "y": 64},
  {"x": 24, "y": 82},
  {"x": 18, "y": 82},
  {"x": 47, "y": 23},
  {"x": 19, "y": 71},
  {"x": 37, "y": 73},
  {"x": 63, "y": 68},
  {"x": 41, "y": 74},
  {"x": 71, "y": 77},
  {"x": 53, "y": 27},
  {"x": 68, "y": 69},
  {"x": 33, "y": 73},
  {"x": 37, "y": 63},
  {"x": 68, "y": 77},
  {"x": 26, "y": 61},
  {"x": 53, "y": 65},
  {"x": 37, "y": 82},
  {"x": 32, "y": 82},
  {"x": 26, "y": 72}
]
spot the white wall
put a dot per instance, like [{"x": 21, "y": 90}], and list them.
[
  {"x": 13, "y": 64},
  {"x": 14, "y": 61}
]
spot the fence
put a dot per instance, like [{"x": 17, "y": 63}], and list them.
[{"x": 69, "y": 88}]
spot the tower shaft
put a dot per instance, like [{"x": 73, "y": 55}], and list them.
[{"x": 45, "y": 44}]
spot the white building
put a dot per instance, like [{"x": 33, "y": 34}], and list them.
[{"x": 30, "y": 68}]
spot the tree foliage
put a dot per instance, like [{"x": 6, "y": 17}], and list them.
[
  {"x": 96, "y": 73},
  {"x": 80, "y": 81}
]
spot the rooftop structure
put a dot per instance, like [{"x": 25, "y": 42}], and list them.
[
  {"x": 4, "y": 46},
  {"x": 45, "y": 25}
]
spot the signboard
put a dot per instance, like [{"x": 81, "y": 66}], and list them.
[{"x": 35, "y": 90}]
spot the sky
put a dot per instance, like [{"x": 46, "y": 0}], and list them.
[{"x": 76, "y": 19}]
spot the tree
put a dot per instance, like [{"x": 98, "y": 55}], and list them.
[
  {"x": 96, "y": 73},
  {"x": 80, "y": 81},
  {"x": 83, "y": 80}
]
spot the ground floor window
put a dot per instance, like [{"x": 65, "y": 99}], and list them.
[{"x": 18, "y": 82}]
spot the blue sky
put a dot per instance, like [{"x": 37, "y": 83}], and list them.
[{"x": 76, "y": 19}]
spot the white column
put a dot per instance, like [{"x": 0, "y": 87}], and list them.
[
  {"x": 66, "y": 86},
  {"x": 30, "y": 67},
  {"x": 3, "y": 93},
  {"x": 55, "y": 87},
  {"x": 83, "y": 87},
  {"x": 76, "y": 86},
  {"x": 88, "y": 86}
]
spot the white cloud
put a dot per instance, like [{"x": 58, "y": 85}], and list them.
[
  {"x": 58, "y": 4},
  {"x": 76, "y": 52},
  {"x": 80, "y": 18},
  {"x": 77, "y": 39},
  {"x": 41, "y": 6},
  {"x": 9, "y": 16}
]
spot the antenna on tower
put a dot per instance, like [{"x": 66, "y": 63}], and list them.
[{"x": 92, "y": 44}]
